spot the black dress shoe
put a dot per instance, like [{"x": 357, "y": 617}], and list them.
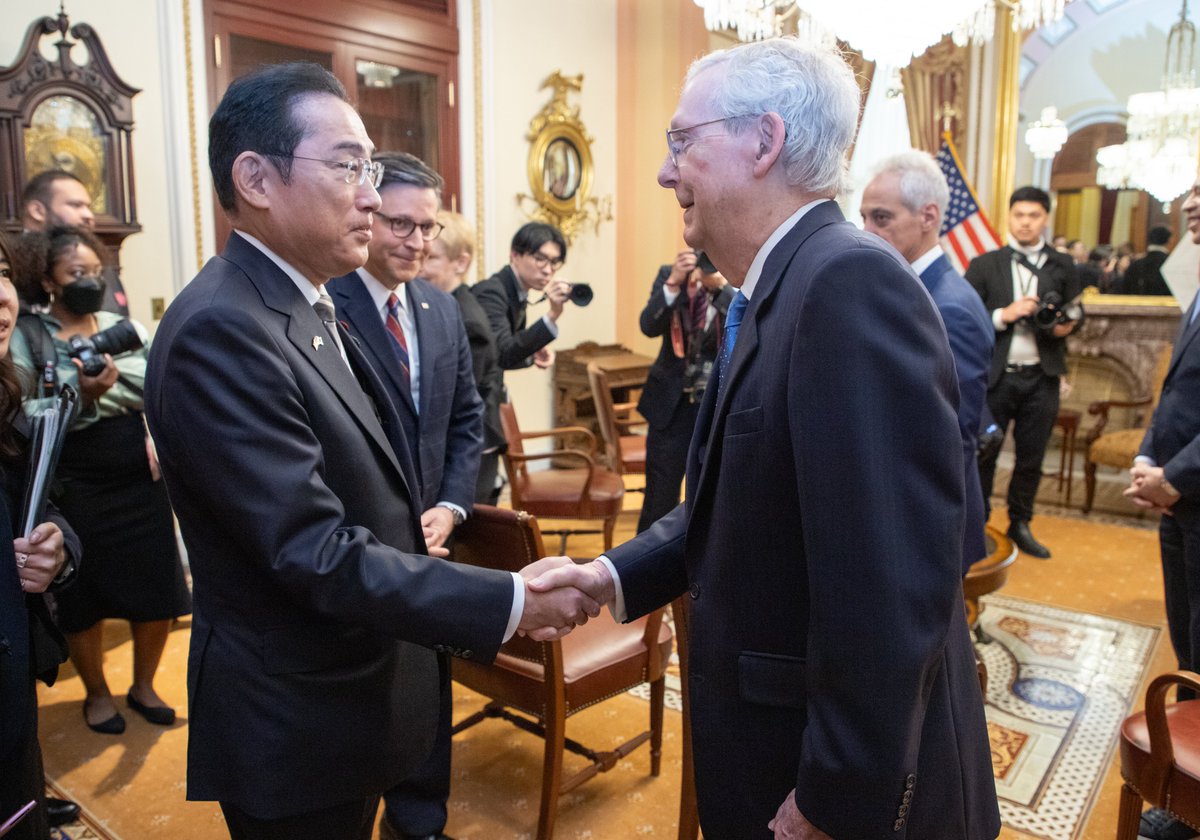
[
  {"x": 115, "y": 725},
  {"x": 160, "y": 715},
  {"x": 1019, "y": 531},
  {"x": 389, "y": 832},
  {"x": 59, "y": 812},
  {"x": 1158, "y": 824}
]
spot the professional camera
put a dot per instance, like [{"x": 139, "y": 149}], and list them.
[
  {"x": 1050, "y": 312},
  {"x": 117, "y": 339},
  {"x": 580, "y": 294}
]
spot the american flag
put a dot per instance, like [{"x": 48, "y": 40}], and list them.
[{"x": 966, "y": 232}]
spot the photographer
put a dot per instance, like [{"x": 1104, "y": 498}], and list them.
[
  {"x": 108, "y": 486},
  {"x": 1030, "y": 291},
  {"x": 687, "y": 307}
]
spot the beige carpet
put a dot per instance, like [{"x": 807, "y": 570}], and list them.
[{"x": 133, "y": 784}]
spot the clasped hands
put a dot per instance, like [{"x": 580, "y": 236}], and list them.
[
  {"x": 560, "y": 594},
  {"x": 1149, "y": 490}
]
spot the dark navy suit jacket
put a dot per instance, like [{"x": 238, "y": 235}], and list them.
[
  {"x": 448, "y": 430},
  {"x": 500, "y": 297},
  {"x": 972, "y": 338},
  {"x": 312, "y": 677},
  {"x": 821, "y": 542},
  {"x": 1173, "y": 437}
]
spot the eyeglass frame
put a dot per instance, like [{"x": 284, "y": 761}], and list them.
[
  {"x": 675, "y": 156},
  {"x": 362, "y": 165},
  {"x": 392, "y": 221},
  {"x": 541, "y": 260}
]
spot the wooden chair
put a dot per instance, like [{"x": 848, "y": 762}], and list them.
[
  {"x": 588, "y": 491},
  {"x": 1160, "y": 756},
  {"x": 625, "y": 451},
  {"x": 550, "y": 681},
  {"x": 1117, "y": 449}
]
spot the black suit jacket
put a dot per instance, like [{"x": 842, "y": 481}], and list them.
[
  {"x": 446, "y": 437},
  {"x": 664, "y": 384},
  {"x": 1173, "y": 436},
  {"x": 489, "y": 379},
  {"x": 990, "y": 275},
  {"x": 499, "y": 295},
  {"x": 1144, "y": 276},
  {"x": 311, "y": 681},
  {"x": 829, "y": 649}
]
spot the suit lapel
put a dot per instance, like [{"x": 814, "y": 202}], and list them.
[
  {"x": 355, "y": 303},
  {"x": 1187, "y": 334},
  {"x": 423, "y": 320},
  {"x": 932, "y": 276}
]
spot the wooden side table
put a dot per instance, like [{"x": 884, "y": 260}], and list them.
[{"x": 1068, "y": 422}]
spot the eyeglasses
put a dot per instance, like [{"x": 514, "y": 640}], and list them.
[
  {"x": 359, "y": 171},
  {"x": 79, "y": 275},
  {"x": 541, "y": 261},
  {"x": 402, "y": 227},
  {"x": 677, "y": 139}
]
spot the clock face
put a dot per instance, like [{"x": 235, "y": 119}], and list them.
[{"x": 65, "y": 134}]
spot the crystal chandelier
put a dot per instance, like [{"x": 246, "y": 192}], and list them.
[
  {"x": 1163, "y": 131},
  {"x": 752, "y": 19},
  {"x": 1046, "y": 136}
]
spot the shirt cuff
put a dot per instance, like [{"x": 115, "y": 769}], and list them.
[
  {"x": 1145, "y": 459},
  {"x": 518, "y": 607},
  {"x": 453, "y": 508},
  {"x": 617, "y": 608},
  {"x": 550, "y": 325},
  {"x": 670, "y": 296},
  {"x": 997, "y": 321}
]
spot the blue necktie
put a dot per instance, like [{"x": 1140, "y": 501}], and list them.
[{"x": 733, "y": 320}]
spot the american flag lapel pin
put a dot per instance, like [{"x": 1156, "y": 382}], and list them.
[
  {"x": 317, "y": 342},
  {"x": 424, "y": 305}
]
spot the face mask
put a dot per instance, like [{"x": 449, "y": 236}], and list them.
[{"x": 83, "y": 297}]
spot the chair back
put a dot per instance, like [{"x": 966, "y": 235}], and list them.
[
  {"x": 606, "y": 416},
  {"x": 515, "y": 468}
]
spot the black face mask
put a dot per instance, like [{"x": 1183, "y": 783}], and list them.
[{"x": 83, "y": 297}]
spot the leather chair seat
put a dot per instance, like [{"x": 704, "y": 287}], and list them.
[
  {"x": 1183, "y": 720},
  {"x": 555, "y": 493},
  {"x": 1116, "y": 449}
]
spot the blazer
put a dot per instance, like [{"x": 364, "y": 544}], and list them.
[
  {"x": 990, "y": 275},
  {"x": 663, "y": 391},
  {"x": 1173, "y": 437},
  {"x": 489, "y": 379},
  {"x": 500, "y": 298},
  {"x": 311, "y": 679},
  {"x": 972, "y": 339},
  {"x": 1144, "y": 276},
  {"x": 446, "y": 437},
  {"x": 820, "y": 543}
]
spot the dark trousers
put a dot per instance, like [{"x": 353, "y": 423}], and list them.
[
  {"x": 666, "y": 461},
  {"x": 351, "y": 821},
  {"x": 1179, "y": 538},
  {"x": 1029, "y": 399},
  {"x": 486, "y": 489},
  {"x": 418, "y": 804},
  {"x": 21, "y": 778}
]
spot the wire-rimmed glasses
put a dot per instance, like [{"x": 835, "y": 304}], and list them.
[
  {"x": 402, "y": 227},
  {"x": 359, "y": 171},
  {"x": 677, "y": 138}
]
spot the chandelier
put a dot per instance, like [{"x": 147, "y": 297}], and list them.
[
  {"x": 872, "y": 26},
  {"x": 1163, "y": 131},
  {"x": 1046, "y": 136}
]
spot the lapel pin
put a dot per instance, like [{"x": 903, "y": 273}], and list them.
[
  {"x": 424, "y": 305},
  {"x": 317, "y": 342}
]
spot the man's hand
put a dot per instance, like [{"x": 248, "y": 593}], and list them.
[
  {"x": 557, "y": 291},
  {"x": 1149, "y": 489},
  {"x": 1022, "y": 307},
  {"x": 1064, "y": 330},
  {"x": 552, "y": 611},
  {"x": 39, "y": 558},
  {"x": 437, "y": 523},
  {"x": 714, "y": 282},
  {"x": 789, "y": 823},
  {"x": 543, "y": 358},
  {"x": 681, "y": 270},
  {"x": 94, "y": 387},
  {"x": 592, "y": 578}
]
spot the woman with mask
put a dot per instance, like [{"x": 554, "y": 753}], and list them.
[{"x": 109, "y": 488}]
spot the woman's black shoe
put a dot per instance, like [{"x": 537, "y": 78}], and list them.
[
  {"x": 115, "y": 725},
  {"x": 160, "y": 715},
  {"x": 59, "y": 812}
]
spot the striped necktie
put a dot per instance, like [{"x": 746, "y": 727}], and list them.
[
  {"x": 399, "y": 342},
  {"x": 325, "y": 311}
]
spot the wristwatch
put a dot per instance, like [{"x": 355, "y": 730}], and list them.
[{"x": 459, "y": 518}]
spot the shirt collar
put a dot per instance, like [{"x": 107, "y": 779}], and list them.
[
  {"x": 760, "y": 259},
  {"x": 927, "y": 259},
  {"x": 379, "y": 293},
  {"x": 311, "y": 293},
  {"x": 1031, "y": 252}
]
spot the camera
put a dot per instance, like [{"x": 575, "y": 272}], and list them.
[
  {"x": 581, "y": 294},
  {"x": 704, "y": 263},
  {"x": 1050, "y": 312},
  {"x": 117, "y": 339}
]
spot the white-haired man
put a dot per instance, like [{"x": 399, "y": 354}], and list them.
[
  {"x": 904, "y": 204},
  {"x": 833, "y": 686}
]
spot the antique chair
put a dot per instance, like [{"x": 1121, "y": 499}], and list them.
[
  {"x": 1160, "y": 756},
  {"x": 585, "y": 491},
  {"x": 625, "y": 450},
  {"x": 1117, "y": 449},
  {"x": 550, "y": 681}
]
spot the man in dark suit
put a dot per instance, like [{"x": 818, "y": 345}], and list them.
[
  {"x": 538, "y": 252},
  {"x": 1166, "y": 478},
  {"x": 904, "y": 204},
  {"x": 687, "y": 306},
  {"x": 1031, "y": 349},
  {"x": 1144, "y": 276},
  {"x": 446, "y": 265},
  {"x": 413, "y": 335},
  {"x": 833, "y": 685},
  {"x": 312, "y": 686}
]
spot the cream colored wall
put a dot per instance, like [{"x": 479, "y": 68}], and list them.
[{"x": 130, "y": 31}]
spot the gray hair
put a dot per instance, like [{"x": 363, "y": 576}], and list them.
[
  {"x": 408, "y": 170},
  {"x": 811, "y": 88},
  {"x": 921, "y": 181}
]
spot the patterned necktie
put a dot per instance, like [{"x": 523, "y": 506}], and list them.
[
  {"x": 733, "y": 320},
  {"x": 399, "y": 342},
  {"x": 324, "y": 309}
]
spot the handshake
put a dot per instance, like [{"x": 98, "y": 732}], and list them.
[{"x": 559, "y": 594}]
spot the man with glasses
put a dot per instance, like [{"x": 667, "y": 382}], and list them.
[
  {"x": 313, "y": 682},
  {"x": 413, "y": 335},
  {"x": 538, "y": 252}
]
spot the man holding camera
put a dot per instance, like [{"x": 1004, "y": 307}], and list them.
[
  {"x": 687, "y": 307},
  {"x": 1030, "y": 289}
]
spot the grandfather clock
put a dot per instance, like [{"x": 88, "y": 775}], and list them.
[{"x": 61, "y": 114}]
